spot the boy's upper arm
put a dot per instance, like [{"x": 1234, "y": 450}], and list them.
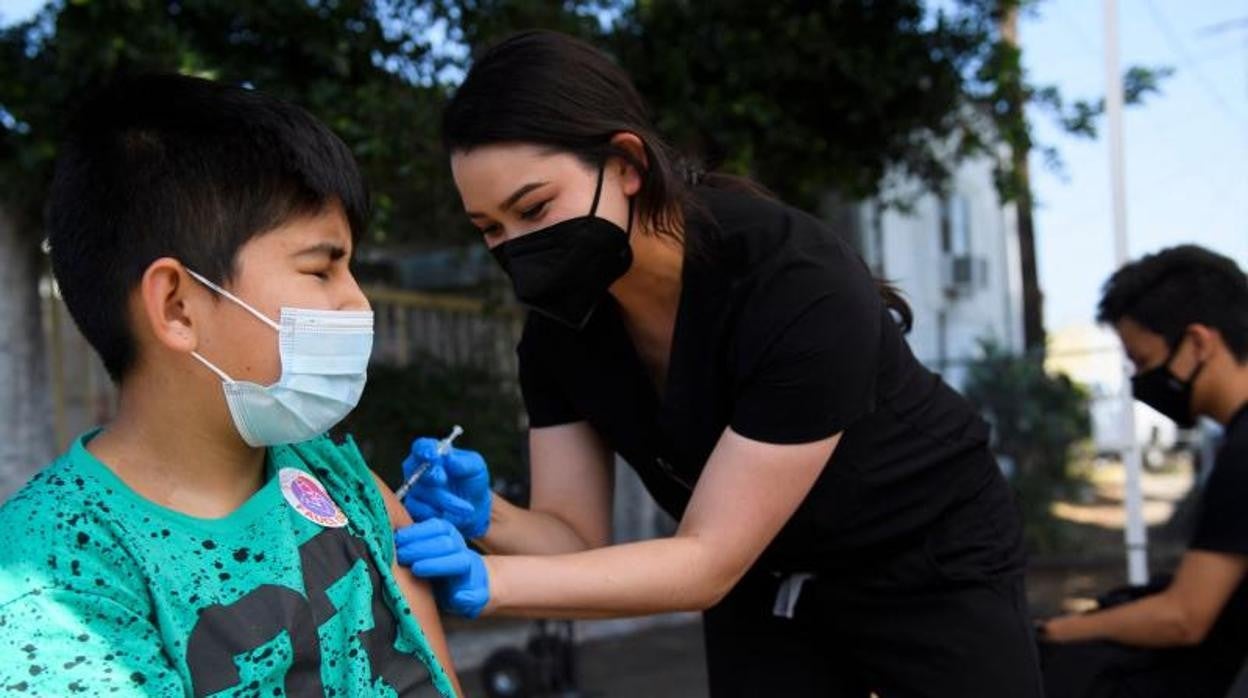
[
  {"x": 394, "y": 508},
  {"x": 59, "y": 642},
  {"x": 418, "y": 593}
]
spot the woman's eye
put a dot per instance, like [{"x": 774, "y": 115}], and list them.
[
  {"x": 322, "y": 275},
  {"x": 532, "y": 212}
]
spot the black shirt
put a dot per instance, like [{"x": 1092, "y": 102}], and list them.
[
  {"x": 781, "y": 335},
  {"x": 1222, "y": 526}
]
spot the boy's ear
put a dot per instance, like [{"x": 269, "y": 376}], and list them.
[
  {"x": 1207, "y": 340},
  {"x": 164, "y": 298}
]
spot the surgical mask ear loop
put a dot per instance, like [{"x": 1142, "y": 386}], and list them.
[
  {"x": 220, "y": 374},
  {"x": 259, "y": 315}
]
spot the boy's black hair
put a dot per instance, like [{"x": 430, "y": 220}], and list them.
[
  {"x": 176, "y": 166},
  {"x": 1176, "y": 287}
]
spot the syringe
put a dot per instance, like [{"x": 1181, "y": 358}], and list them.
[{"x": 444, "y": 447}]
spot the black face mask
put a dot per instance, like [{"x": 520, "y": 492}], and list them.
[
  {"x": 1167, "y": 393},
  {"x": 563, "y": 271}
]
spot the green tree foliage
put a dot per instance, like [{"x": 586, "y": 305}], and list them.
[
  {"x": 1002, "y": 89},
  {"x": 474, "y": 24},
  {"x": 364, "y": 67},
  {"x": 805, "y": 97},
  {"x": 360, "y": 66},
  {"x": 427, "y": 399},
  {"x": 809, "y": 97},
  {"x": 818, "y": 97},
  {"x": 1036, "y": 419}
]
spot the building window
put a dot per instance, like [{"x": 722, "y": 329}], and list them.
[
  {"x": 955, "y": 225},
  {"x": 962, "y": 273}
]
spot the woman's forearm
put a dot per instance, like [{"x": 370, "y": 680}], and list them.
[
  {"x": 736, "y": 511},
  {"x": 515, "y": 530},
  {"x": 655, "y": 576}
]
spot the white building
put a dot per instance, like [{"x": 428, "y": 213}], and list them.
[
  {"x": 956, "y": 260},
  {"x": 1092, "y": 355}
]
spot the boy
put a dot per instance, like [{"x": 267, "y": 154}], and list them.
[
  {"x": 211, "y": 539},
  {"x": 1182, "y": 315}
]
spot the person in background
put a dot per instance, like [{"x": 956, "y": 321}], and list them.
[{"x": 1182, "y": 316}]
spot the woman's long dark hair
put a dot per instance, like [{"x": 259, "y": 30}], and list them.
[{"x": 549, "y": 89}]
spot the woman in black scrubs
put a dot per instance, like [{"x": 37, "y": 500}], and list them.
[{"x": 843, "y": 524}]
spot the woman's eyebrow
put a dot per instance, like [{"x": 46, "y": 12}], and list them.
[{"x": 511, "y": 200}]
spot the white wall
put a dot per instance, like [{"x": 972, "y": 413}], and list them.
[
  {"x": 1092, "y": 355},
  {"x": 906, "y": 248}
]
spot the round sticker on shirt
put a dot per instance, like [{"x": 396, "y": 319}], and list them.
[{"x": 308, "y": 497}]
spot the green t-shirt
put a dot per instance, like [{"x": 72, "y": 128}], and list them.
[{"x": 103, "y": 592}]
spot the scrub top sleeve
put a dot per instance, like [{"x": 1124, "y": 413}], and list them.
[
  {"x": 1222, "y": 524},
  {"x": 544, "y": 398},
  {"x": 818, "y": 376}
]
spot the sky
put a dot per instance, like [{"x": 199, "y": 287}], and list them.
[{"x": 1186, "y": 149}]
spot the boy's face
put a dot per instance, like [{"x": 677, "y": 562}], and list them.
[
  {"x": 302, "y": 264},
  {"x": 1147, "y": 349},
  {"x": 1199, "y": 348}
]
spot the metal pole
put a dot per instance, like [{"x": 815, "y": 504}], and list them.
[{"x": 1136, "y": 533}]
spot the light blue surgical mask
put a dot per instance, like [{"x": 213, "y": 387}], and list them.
[{"x": 324, "y": 356}]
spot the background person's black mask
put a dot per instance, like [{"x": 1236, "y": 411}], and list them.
[
  {"x": 563, "y": 271},
  {"x": 1167, "y": 393}
]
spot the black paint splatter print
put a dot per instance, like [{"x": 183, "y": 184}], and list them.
[{"x": 105, "y": 593}]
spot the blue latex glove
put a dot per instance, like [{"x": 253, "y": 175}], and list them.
[
  {"x": 456, "y": 487},
  {"x": 435, "y": 550}
]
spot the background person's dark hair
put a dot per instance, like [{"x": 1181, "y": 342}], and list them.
[
  {"x": 1169, "y": 290},
  {"x": 174, "y": 166},
  {"x": 550, "y": 89}
]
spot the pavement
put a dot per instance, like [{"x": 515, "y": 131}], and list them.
[
  {"x": 655, "y": 657},
  {"x": 665, "y": 661}
]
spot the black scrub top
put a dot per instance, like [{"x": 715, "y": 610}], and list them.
[
  {"x": 1222, "y": 527},
  {"x": 781, "y": 335}
]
